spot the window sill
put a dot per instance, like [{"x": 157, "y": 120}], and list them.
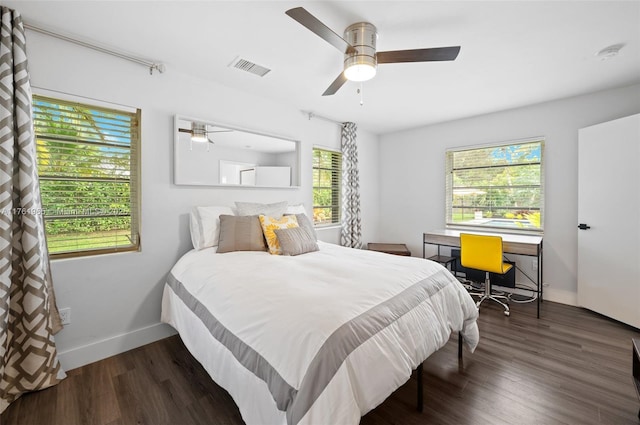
[
  {"x": 91, "y": 255},
  {"x": 489, "y": 229},
  {"x": 327, "y": 227}
]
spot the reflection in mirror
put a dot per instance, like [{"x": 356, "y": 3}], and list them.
[{"x": 207, "y": 153}]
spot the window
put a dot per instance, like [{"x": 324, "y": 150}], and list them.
[
  {"x": 498, "y": 187},
  {"x": 88, "y": 160},
  {"x": 327, "y": 166}
]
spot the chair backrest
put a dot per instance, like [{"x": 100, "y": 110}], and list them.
[{"x": 482, "y": 252}]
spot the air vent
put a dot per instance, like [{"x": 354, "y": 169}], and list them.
[{"x": 249, "y": 66}]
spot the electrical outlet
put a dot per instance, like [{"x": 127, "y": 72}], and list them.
[
  {"x": 65, "y": 315},
  {"x": 534, "y": 264}
]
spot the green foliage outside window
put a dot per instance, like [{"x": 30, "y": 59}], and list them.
[
  {"x": 498, "y": 186},
  {"x": 327, "y": 167},
  {"x": 87, "y": 170}
]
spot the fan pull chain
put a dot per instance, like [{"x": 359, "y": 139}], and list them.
[{"x": 361, "y": 93}]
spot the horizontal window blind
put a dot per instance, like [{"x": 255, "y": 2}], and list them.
[
  {"x": 499, "y": 186},
  {"x": 327, "y": 166},
  {"x": 88, "y": 160}
]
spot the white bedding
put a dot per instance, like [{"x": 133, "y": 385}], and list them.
[{"x": 319, "y": 338}]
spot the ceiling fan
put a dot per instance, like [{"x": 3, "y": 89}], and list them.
[
  {"x": 359, "y": 48},
  {"x": 199, "y": 132}
]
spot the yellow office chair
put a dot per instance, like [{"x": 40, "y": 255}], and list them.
[{"x": 484, "y": 252}]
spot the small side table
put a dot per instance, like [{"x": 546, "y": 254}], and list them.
[
  {"x": 636, "y": 366},
  {"x": 390, "y": 248}
]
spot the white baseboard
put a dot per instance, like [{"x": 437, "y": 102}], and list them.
[
  {"x": 80, "y": 356},
  {"x": 560, "y": 296}
]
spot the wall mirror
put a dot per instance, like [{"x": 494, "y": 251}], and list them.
[{"x": 213, "y": 154}]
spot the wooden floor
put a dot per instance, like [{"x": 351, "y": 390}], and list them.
[{"x": 570, "y": 367}]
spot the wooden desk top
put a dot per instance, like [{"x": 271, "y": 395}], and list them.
[{"x": 512, "y": 243}]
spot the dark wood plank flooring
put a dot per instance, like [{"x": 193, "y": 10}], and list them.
[{"x": 571, "y": 366}]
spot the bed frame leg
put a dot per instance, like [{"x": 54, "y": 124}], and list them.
[
  {"x": 419, "y": 371},
  {"x": 420, "y": 392}
]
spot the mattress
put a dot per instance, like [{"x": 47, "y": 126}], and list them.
[{"x": 319, "y": 338}]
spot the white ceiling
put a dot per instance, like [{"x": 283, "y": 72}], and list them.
[{"x": 514, "y": 53}]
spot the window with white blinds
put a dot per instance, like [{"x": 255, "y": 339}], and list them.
[
  {"x": 88, "y": 166},
  {"x": 498, "y": 187},
  {"x": 327, "y": 171}
]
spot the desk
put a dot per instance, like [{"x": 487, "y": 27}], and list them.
[{"x": 511, "y": 244}]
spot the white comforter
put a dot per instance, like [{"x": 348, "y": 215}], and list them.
[{"x": 320, "y": 338}]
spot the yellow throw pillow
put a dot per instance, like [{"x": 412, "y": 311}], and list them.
[{"x": 270, "y": 224}]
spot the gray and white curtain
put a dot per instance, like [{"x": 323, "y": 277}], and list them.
[
  {"x": 28, "y": 315},
  {"x": 351, "y": 232}
]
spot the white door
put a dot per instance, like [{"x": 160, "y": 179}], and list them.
[{"x": 609, "y": 204}]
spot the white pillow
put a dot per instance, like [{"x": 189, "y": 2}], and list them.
[
  {"x": 296, "y": 209},
  {"x": 205, "y": 225},
  {"x": 270, "y": 210}
]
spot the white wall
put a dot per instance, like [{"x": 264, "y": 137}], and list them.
[
  {"x": 115, "y": 299},
  {"x": 412, "y": 173}
]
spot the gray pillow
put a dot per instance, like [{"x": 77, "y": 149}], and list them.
[
  {"x": 305, "y": 223},
  {"x": 296, "y": 241},
  {"x": 240, "y": 233},
  {"x": 270, "y": 210}
]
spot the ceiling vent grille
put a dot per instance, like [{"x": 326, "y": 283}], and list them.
[{"x": 249, "y": 66}]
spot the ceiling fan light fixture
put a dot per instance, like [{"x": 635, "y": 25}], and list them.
[
  {"x": 360, "y": 72},
  {"x": 361, "y": 64},
  {"x": 199, "y": 132}
]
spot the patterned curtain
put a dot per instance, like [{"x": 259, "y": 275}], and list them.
[
  {"x": 351, "y": 232},
  {"x": 28, "y": 316}
]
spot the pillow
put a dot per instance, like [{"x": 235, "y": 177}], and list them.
[
  {"x": 296, "y": 209},
  {"x": 205, "y": 225},
  {"x": 296, "y": 241},
  {"x": 269, "y": 224},
  {"x": 305, "y": 223},
  {"x": 240, "y": 233},
  {"x": 252, "y": 208}
]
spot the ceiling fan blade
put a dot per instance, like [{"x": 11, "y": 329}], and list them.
[
  {"x": 419, "y": 55},
  {"x": 335, "y": 86},
  {"x": 312, "y": 23}
]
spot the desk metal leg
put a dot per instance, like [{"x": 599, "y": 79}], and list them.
[
  {"x": 538, "y": 288},
  {"x": 539, "y": 278},
  {"x": 420, "y": 393}
]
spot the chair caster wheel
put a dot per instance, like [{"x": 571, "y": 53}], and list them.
[{"x": 506, "y": 313}]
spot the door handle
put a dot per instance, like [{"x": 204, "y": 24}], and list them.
[{"x": 583, "y": 226}]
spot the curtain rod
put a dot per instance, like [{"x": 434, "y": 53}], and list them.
[
  {"x": 311, "y": 115},
  {"x": 149, "y": 64}
]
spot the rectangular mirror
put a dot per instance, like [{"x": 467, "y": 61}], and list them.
[{"x": 212, "y": 154}]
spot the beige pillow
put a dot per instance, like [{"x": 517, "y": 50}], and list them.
[
  {"x": 240, "y": 233},
  {"x": 296, "y": 241},
  {"x": 270, "y": 224}
]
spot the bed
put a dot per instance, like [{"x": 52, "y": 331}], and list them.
[{"x": 319, "y": 338}]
